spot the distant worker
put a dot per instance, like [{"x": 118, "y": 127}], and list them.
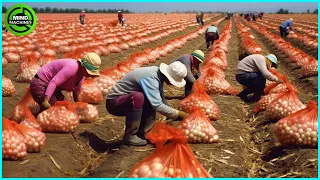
[
  {"x": 199, "y": 18},
  {"x": 192, "y": 62},
  {"x": 81, "y": 17},
  {"x": 120, "y": 18},
  {"x": 212, "y": 34},
  {"x": 4, "y": 28},
  {"x": 260, "y": 15},
  {"x": 284, "y": 27}
]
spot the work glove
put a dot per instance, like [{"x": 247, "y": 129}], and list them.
[{"x": 46, "y": 103}]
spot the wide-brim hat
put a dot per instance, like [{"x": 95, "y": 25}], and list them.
[
  {"x": 91, "y": 62},
  {"x": 175, "y": 72},
  {"x": 198, "y": 54},
  {"x": 273, "y": 59}
]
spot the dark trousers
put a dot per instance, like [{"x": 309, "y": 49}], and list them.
[
  {"x": 81, "y": 20},
  {"x": 188, "y": 86},
  {"x": 210, "y": 39},
  {"x": 121, "y": 21},
  {"x": 254, "y": 81},
  {"x": 133, "y": 101},
  {"x": 283, "y": 31},
  {"x": 200, "y": 21}
]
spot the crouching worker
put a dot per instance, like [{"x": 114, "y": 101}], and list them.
[
  {"x": 139, "y": 94},
  {"x": 212, "y": 34},
  {"x": 192, "y": 62},
  {"x": 252, "y": 72},
  {"x": 62, "y": 74}
]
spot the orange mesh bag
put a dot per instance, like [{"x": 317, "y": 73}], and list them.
[
  {"x": 26, "y": 101},
  {"x": 218, "y": 61},
  {"x": 114, "y": 47},
  {"x": 198, "y": 128},
  {"x": 264, "y": 102},
  {"x": 4, "y": 62},
  {"x": 215, "y": 84},
  {"x": 171, "y": 160},
  {"x": 27, "y": 68},
  {"x": 62, "y": 117},
  {"x": 114, "y": 73},
  {"x": 199, "y": 98},
  {"x": 45, "y": 59},
  {"x": 277, "y": 74},
  {"x": 104, "y": 83},
  {"x": 12, "y": 57},
  {"x": 29, "y": 119},
  {"x": 90, "y": 93},
  {"x": 8, "y": 88},
  {"x": 13, "y": 146},
  {"x": 33, "y": 138},
  {"x": 284, "y": 105},
  {"x": 299, "y": 128},
  {"x": 86, "y": 112},
  {"x": 310, "y": 69},
  {"x": 214, "y": 68}
]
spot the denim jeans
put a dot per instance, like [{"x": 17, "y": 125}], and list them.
[{"x": 254, "y": 81}]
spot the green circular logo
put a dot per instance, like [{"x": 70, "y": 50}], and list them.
[{"x": 20, "y": 19}]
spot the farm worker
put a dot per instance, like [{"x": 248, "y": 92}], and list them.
[
  {"x": 192, "y": 62},
  {"x": 62, "y": 74},
  {"x": 81, "y": 17},
  {"x": 283, "y": 27},
  {"x": 199, "y": 18},
  {"x": 252, "y": 72},
  {"x": 212, "y": 34},
  {"x": 139, "y": 94},
  {"x": 120, "y": 18}
]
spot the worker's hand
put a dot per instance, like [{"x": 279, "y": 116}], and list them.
[
  {"x": 182, "y": 115},
  {"x": 280, "y": 81},
  {"x": 46, "y": 103}
]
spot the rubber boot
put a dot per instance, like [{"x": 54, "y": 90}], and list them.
[
  {"x": 147, "y": 122},
  {"x": 133, "y": 120}
]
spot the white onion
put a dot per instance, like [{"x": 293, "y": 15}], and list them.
[
  {"x": 8, "y": 88},
  {"x": 33, "y": 138}
]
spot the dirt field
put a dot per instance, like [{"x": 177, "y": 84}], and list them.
[{"x": 94, "y": 150}]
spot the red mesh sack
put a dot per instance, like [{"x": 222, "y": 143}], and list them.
[
  {"x": 214, "y": 68},
  {"x": 13, "y": 146},
  {"x": 45, "y": 59},
  {"x": 29, "y": 119},
  {"x": 264, "y": 102},
  {"x": 280, "y": 87},
  {"x": 86, "y": 112},
  {"x": 111, "y": 72},
  {"x": 62, "y": 117},
  {"x": 90, "y": 93},
  {"x": 33, "y": 138},
  {"x": 310, "y": 69},
  {"x": 26, "y": 101},
  {"x": 172, "y": 160},
  {"x": 199, "y": 98},
  {"x": 4, "y": 62},
  {"x": 27, "y": 68},
  {"x": 215, "y": 84},
  {"x": 215, "y": 60},
  {"x": 8, "y": 88},
  {"x": 299, "y": 128},
  {"x": 12, "y": 57},
  {"x": 198, "y": 128},
  {"x": 114, "y": 47},
  {"x": 104, "y": 83},
  {"x": 284, "y": 105}
]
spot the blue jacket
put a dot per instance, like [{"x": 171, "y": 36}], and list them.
[{"x": 287, "y": 23}]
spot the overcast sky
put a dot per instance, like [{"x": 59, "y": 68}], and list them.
[{"x": 169, "y": 7}]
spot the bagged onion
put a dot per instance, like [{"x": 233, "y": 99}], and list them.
[
  {"x": 90, "y": 93},
  {"x": 62, "y": 117},
  {"x": 27, "y": 68},
  {"x": 265, "y": 101},
  {"x": 174, "y": 160},
  {"x": 33, "y": 138},
  {"x": 4, "y": 62},
  {"x": 299, "y": 128},
  {"x": 198, "y": 128},
  {"x": 86, "y": 112},
  {"x": 13, "y": 146},
  {"x": 199, "y": 98},
  {"x": 26, "y": 101},
  {"x": 310, "y": 69},
  {"x": 104, "y": 83},
  {"x": 29, "y": 119},
  {"x": 284, "y": 105},
  {"x": 8, "y": 88}
]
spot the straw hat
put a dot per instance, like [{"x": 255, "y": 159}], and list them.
[
  {"x": 198, "y": 54},
  {"x": 175, "y": 72},
  {"x": 92, "y": 62}
]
